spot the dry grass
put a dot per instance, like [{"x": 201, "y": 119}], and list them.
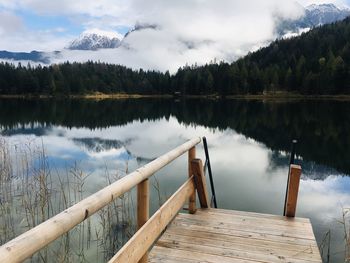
[{"x": 31, "y": 192}]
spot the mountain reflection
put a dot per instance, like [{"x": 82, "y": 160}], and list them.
[{"x": 322, "y": 127}]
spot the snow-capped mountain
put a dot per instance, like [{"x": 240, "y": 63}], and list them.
[
  {"x": 93, "y": 40},
  {"x": 324, "y": 14},
  {"x": 313, "y": 15}
]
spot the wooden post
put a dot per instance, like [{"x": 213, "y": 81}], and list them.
[
  {"x": 293, "y": 189},
  {"x": 192, "y": 199},
  {"x": 143, "y": 209},
  {"x": 201, "y": 185},
  {"x": 143, "y": 239}
]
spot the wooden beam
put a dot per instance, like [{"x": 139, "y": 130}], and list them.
[
  {"x": 200, "y": 182},
  {"x": 293, "y": 189},
  {"x": 139, "y": 243},
  {"x": 192, "y": 199},
  {"x": 143, "y": 209},
  {"x": 25, "y": 245}
]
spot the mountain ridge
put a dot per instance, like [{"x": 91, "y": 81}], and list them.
[{"x": 94, "y": 40}]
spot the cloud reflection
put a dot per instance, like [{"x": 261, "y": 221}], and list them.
[{"x": 248, "y": 175}]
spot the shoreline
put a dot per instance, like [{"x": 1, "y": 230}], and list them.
[{"x": 117, "y": 96}]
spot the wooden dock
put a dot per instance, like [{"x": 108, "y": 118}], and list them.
[
  {"x": 217, "y": 235},
  {"x": 202, "y": 235}
]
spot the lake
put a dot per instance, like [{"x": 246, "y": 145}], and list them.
[{"x": 249, "y": 144}]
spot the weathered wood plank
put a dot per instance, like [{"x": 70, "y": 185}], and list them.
[
  {"x": 229, "y": 252},
  {"x": 193, "y": 256},
  {"x": 252, "y": 220},
  {"x": 245, "y": 233},
  {"x": 278, "y": 220},
  {"x": 258, "y": 215},
  {"x": 304, "y": 253},
  {"x": 217, "y": 236},
  {"x": 265, "y": 229},
  {"x": 233, "y": 240},
  {"x": 242, "y": 223}
]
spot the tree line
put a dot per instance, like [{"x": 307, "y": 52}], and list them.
[{"x": 317, "y": 62}]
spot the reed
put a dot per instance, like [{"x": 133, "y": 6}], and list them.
[
  {"x": 31, "y": 191},
  {"x": 345, "y": 221}
]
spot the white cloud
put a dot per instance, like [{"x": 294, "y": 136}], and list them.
[
  {"x": 15, "y": 35},
  {"x": 339, "y": 3},
  {"x": 191, "y": 31},
  {"x": 9, "y": 23}
]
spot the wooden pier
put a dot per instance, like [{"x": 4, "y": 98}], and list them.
[
  {"x": 202, "y": 235},
  {"x": 217, "y": 235}
]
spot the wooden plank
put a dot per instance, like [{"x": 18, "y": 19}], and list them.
[
  {"x": 274, "y": 219},
  {"x": 293, "y": 189},
  {"x": 245, "y": 240},
  {"x": 252, "y": 220},
  {"x": 159, "y": 258},
  {"x": 266, "y": 229},
  {"x": 229, "y": 252},
  {"x": 258, "y": 215},
  {"x": 201, "y": 185},
  {"x": 192, "y": 199},
  {"x": 244, "y": 233},
  {"x": 25, "y": 245},
  {"x": 193, "y": 256},
  {"x": 139, "y": 243},
  {"x": 304, "y": 253},
  {"x": 143, "y": 209},
  {"x": 242, "y": 222}
]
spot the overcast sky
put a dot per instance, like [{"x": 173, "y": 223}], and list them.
[{"x": 188, "y": 31}]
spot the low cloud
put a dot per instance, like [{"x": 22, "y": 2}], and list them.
[
  {"x": 193, "y": 31},
  {"x": 187, "y": 32},
  {"x": 339, "y": 3},
  {"x": 9, "y": 23}
]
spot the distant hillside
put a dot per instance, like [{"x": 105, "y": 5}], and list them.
[
  {"x": 34, "y": 56},
  {"x": 317, "y": 62}
]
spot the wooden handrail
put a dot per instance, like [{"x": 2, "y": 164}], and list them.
[
  {"x": 25, "y": 245},
  {"x": 139, "y": 243}
]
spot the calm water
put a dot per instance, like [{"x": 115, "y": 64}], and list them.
[{"x": 248, "y": 141}]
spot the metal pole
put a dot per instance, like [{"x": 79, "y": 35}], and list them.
[
  {"x": 209, "y": 171},
  {"x": 292, "y": 153},
  {"x": 291, "y": 161}
]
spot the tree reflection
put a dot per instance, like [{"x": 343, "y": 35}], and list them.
[{"x": 322, "y": 127}]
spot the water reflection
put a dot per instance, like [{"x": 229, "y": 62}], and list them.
[{"x": 248, "y": 144}]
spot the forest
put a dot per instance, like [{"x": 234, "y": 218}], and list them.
[{"x": 315, "y": 63}]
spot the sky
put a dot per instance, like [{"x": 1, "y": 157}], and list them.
[{"x": 188, "y": 31}]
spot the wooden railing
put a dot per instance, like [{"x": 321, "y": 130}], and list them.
[{"x": 136, "y": 249}]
